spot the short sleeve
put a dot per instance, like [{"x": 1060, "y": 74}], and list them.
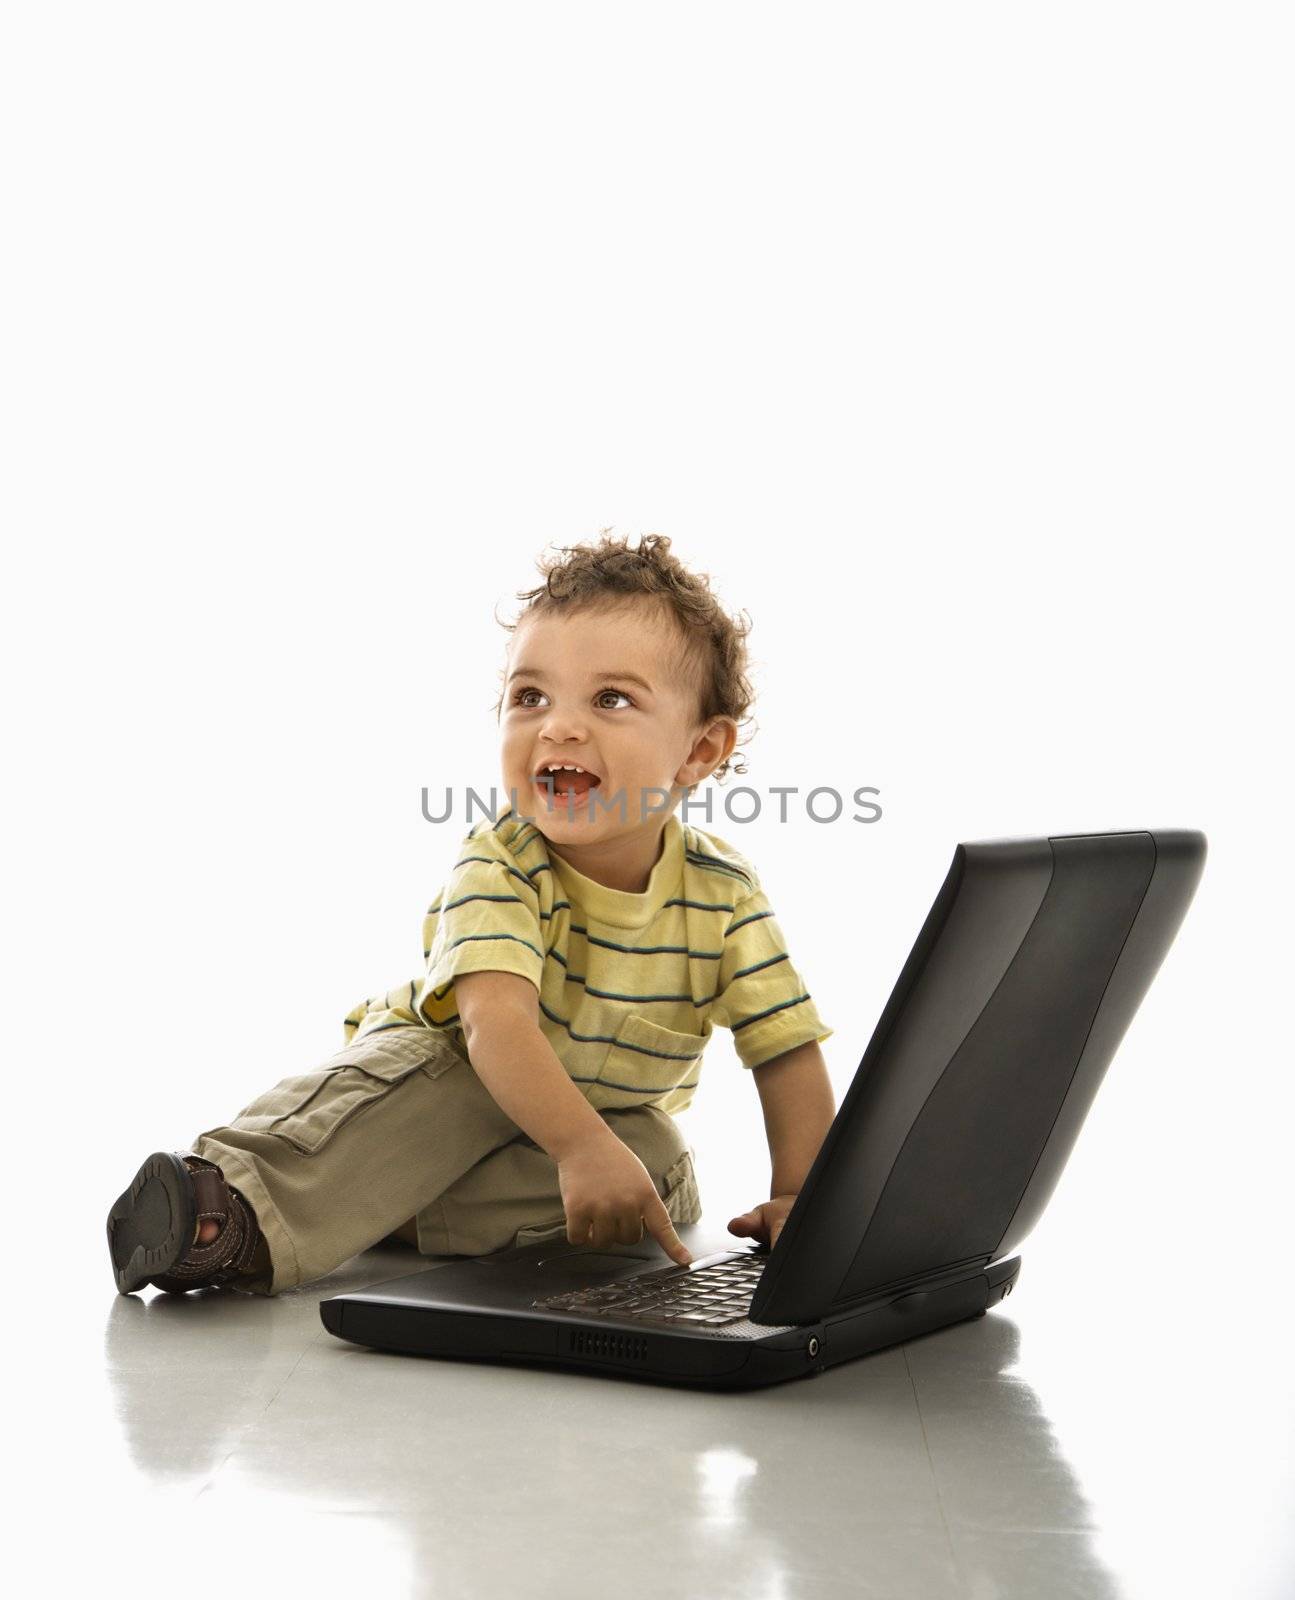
[
  {"x": 761, "y": 996},
  {"x": 486, "y": 920}
]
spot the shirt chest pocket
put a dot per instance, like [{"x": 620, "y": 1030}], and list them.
[{"x": 645, "y": 1062}]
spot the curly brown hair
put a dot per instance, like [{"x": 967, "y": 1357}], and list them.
[{"x": 610, "y": 573}]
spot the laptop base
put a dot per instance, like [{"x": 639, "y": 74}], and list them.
[{"x": 467, "y": 1310}]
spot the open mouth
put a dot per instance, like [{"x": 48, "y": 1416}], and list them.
[{"x": 563, "y": 779}]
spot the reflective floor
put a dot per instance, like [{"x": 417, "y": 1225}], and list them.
[{"x": 1069, "y": 1443}]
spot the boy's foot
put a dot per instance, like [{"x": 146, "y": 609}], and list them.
[{"x": 180, "y": 1226}]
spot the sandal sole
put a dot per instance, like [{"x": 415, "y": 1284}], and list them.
[{"x": 151, "y": 1223}]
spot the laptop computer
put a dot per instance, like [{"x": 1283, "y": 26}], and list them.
[{"x": 940, "y": 1160}]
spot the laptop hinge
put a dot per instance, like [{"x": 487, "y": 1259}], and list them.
[{"x": 916, "y": 1281}]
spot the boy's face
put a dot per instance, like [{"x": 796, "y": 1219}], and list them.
[{"x": 604, "y": 690}]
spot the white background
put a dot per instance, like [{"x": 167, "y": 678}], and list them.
[{"x": 955, "y": 343}]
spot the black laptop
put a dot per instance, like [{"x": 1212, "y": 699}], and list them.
[{"x": 939, "y": 1162}]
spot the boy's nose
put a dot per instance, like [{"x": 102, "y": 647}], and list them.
[{"x": 562, "y": 728}]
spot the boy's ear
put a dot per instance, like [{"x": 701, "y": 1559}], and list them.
[{"x": 713, "y": 745}]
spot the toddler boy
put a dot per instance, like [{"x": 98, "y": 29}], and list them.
[{"x": 524, "y": 1084}]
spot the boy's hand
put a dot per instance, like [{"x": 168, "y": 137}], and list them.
[
  {"x": 766, "y": 1221},
  {"x": 608, "y": 1195}
]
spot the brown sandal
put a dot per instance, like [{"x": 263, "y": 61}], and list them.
[{"x": 153, "y": 1226}]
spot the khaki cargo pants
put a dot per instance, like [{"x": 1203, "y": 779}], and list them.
[{"x": 397, "y": 1137}]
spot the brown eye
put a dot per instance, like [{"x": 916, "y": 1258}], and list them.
[
  {"x": 620, "y": 693},
  {"x": 520, "y": 697}
]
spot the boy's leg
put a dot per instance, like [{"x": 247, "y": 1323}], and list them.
[
  {"x": 333, "y": 1160},
  {"x": 511, "y": 1195}
]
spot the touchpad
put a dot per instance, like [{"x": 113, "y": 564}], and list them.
[{"x": 593, "y": 1262}]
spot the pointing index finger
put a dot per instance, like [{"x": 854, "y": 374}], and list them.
[{"x": 662, "y": 1230}]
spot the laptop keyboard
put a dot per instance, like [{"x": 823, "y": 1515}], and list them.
[{"x": 706, "y": 1294}]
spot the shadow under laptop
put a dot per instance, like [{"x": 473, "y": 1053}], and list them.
[{"x": 917, "y": 1470}]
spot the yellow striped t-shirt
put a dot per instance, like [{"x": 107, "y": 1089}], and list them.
[{"x": 630, "y": 985}]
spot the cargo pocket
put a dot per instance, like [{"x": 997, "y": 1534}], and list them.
[
  {"x": 542, "y": 1232},
  {"x": 682, "y": 1196},
  {"x": 307, "y": 1111},
  {"x": 645, "y": 1063}
]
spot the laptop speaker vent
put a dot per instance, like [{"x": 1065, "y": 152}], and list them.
[{"x": 611, "y": 1346}]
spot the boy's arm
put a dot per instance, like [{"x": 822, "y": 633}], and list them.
[
  {"x": 607, "y": 1193},
  {"x": 500, "y": 1016},
  {"x": 798, "y": 1104}
]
